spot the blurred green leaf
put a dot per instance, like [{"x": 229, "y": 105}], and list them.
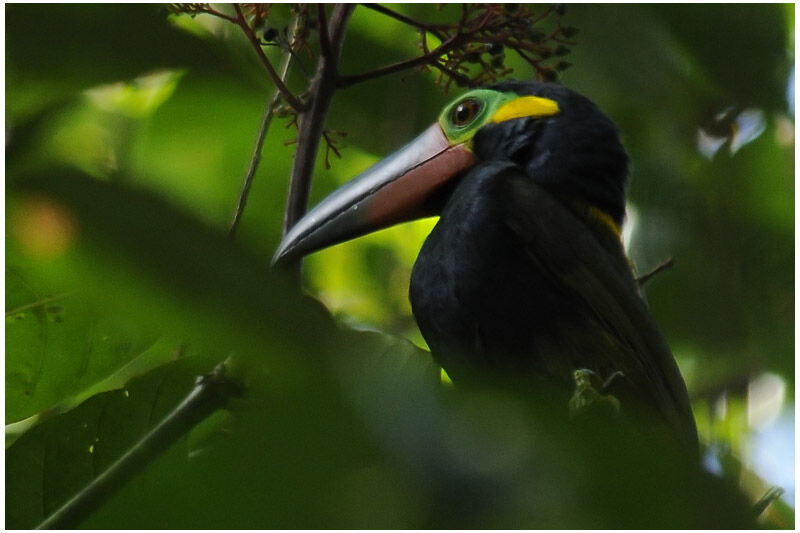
[
  {"x": 54, "y": 461},
  {"x": 739, "y": 38},
  {"x": 328, "y": 418},
  {"x": 53, "y": 50},
  {"x": 56, "y": 347}
]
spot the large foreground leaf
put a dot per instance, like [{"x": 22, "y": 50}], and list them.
[
  {"x": 337, "y": 429},
  {"x": 55, "y": 460}
]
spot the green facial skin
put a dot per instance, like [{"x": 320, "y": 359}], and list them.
[{"x": 489, "y": 101}]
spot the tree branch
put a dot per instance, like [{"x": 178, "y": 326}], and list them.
[
  {"x": 290, "y": 98},
  {"x": 262, "y": 133},
  {"x": 426, "y": 59},
  {"x": 324, "y": 38},
  {"x": 402, "y": 18},
  {"x": 211, "y": 392},
  {"x": 312, "y": 122},
  {"x": 38, "y": 303},
  {"x": 336, "y": 28},
  {"x": 664, "y": 265}
]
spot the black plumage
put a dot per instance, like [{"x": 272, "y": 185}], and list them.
[
  {"x": 520, "y": 279},
  {"x": 524, "y": 279}
]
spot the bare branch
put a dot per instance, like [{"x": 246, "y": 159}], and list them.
[
  {"x": 312, "y": 121},
  {"x": 198, "y": 9},
  {"x": 211, "y": 392},
  {"x": 339, "y": 17},
  {"x": 425, "y": 59},
  {"x": 324, "y": 38},
  {"x": 402, "y": 18},
  {"x": 262, "y": 133},
  {"x": 38, "y": 303},
  {"x": 664, "y": 265},
  {"x": 290, "y": 98},
  {"x": 330, "y": 144}
]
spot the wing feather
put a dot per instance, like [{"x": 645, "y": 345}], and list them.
[{"x": 590, "y": 265}]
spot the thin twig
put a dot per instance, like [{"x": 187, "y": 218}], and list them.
[
  {"x": 425, "y": 59},
  {"x": 532, "y": 62},
  {"x": 290, "y": 98},
  {"x": 402, "y": 18},
  {"x": 262, "y": 133},
  {"x": 211, "y": 11},
  {"x": 211, "y": 392},
  {"x": 542, "y": 15},
  {"x": 664, "y": 265},
  {"x": 772, "y": 494},
  {"x": 38, "y": 303},
  {"x": 462, "y": 35},
  {"x": 324, "y": 39}
]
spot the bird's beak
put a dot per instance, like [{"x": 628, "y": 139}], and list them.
[{"x": 392, "y": 191}]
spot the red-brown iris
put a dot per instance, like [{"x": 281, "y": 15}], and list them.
[{"x": 465, "y": 111}]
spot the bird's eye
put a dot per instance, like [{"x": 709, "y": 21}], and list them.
[{"x": 465, "y": 111}]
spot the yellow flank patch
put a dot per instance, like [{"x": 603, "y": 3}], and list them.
[
  {"x": 606, "y": 219},
  {"x": 526, "y": 106}
]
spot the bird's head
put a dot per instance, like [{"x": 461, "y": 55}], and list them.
[{"x": 556, "y": 136}]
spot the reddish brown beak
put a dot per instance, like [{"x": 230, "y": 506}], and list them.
[{"x": 390, "y": 192}]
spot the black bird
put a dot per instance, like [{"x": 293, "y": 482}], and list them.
[{"x": 524, "y": 276}]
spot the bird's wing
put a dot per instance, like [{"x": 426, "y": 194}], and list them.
[{"x": 564, "y": 246}]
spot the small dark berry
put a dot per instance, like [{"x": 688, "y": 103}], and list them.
[
  {"x": 496, "y": 49},
  {"x": 497, "y": 61},
  {"x": 270, "y": 34},
  {"x": 545, "y": 53},
  {"x": 550, "y": 75},
  {"x": 563, "y": 65}
]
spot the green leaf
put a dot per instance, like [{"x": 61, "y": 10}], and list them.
[
  {"x": 337, "y": 429},
  {"x": 56, "y": 345},
  {"x": 55, "y": 50},
  {"x": 54, "y": 461}
]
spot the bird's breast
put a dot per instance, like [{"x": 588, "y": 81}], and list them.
[{"x": 480, "y": 302}]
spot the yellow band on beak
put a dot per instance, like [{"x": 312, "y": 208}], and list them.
[{"x": 525, "y": 106}]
